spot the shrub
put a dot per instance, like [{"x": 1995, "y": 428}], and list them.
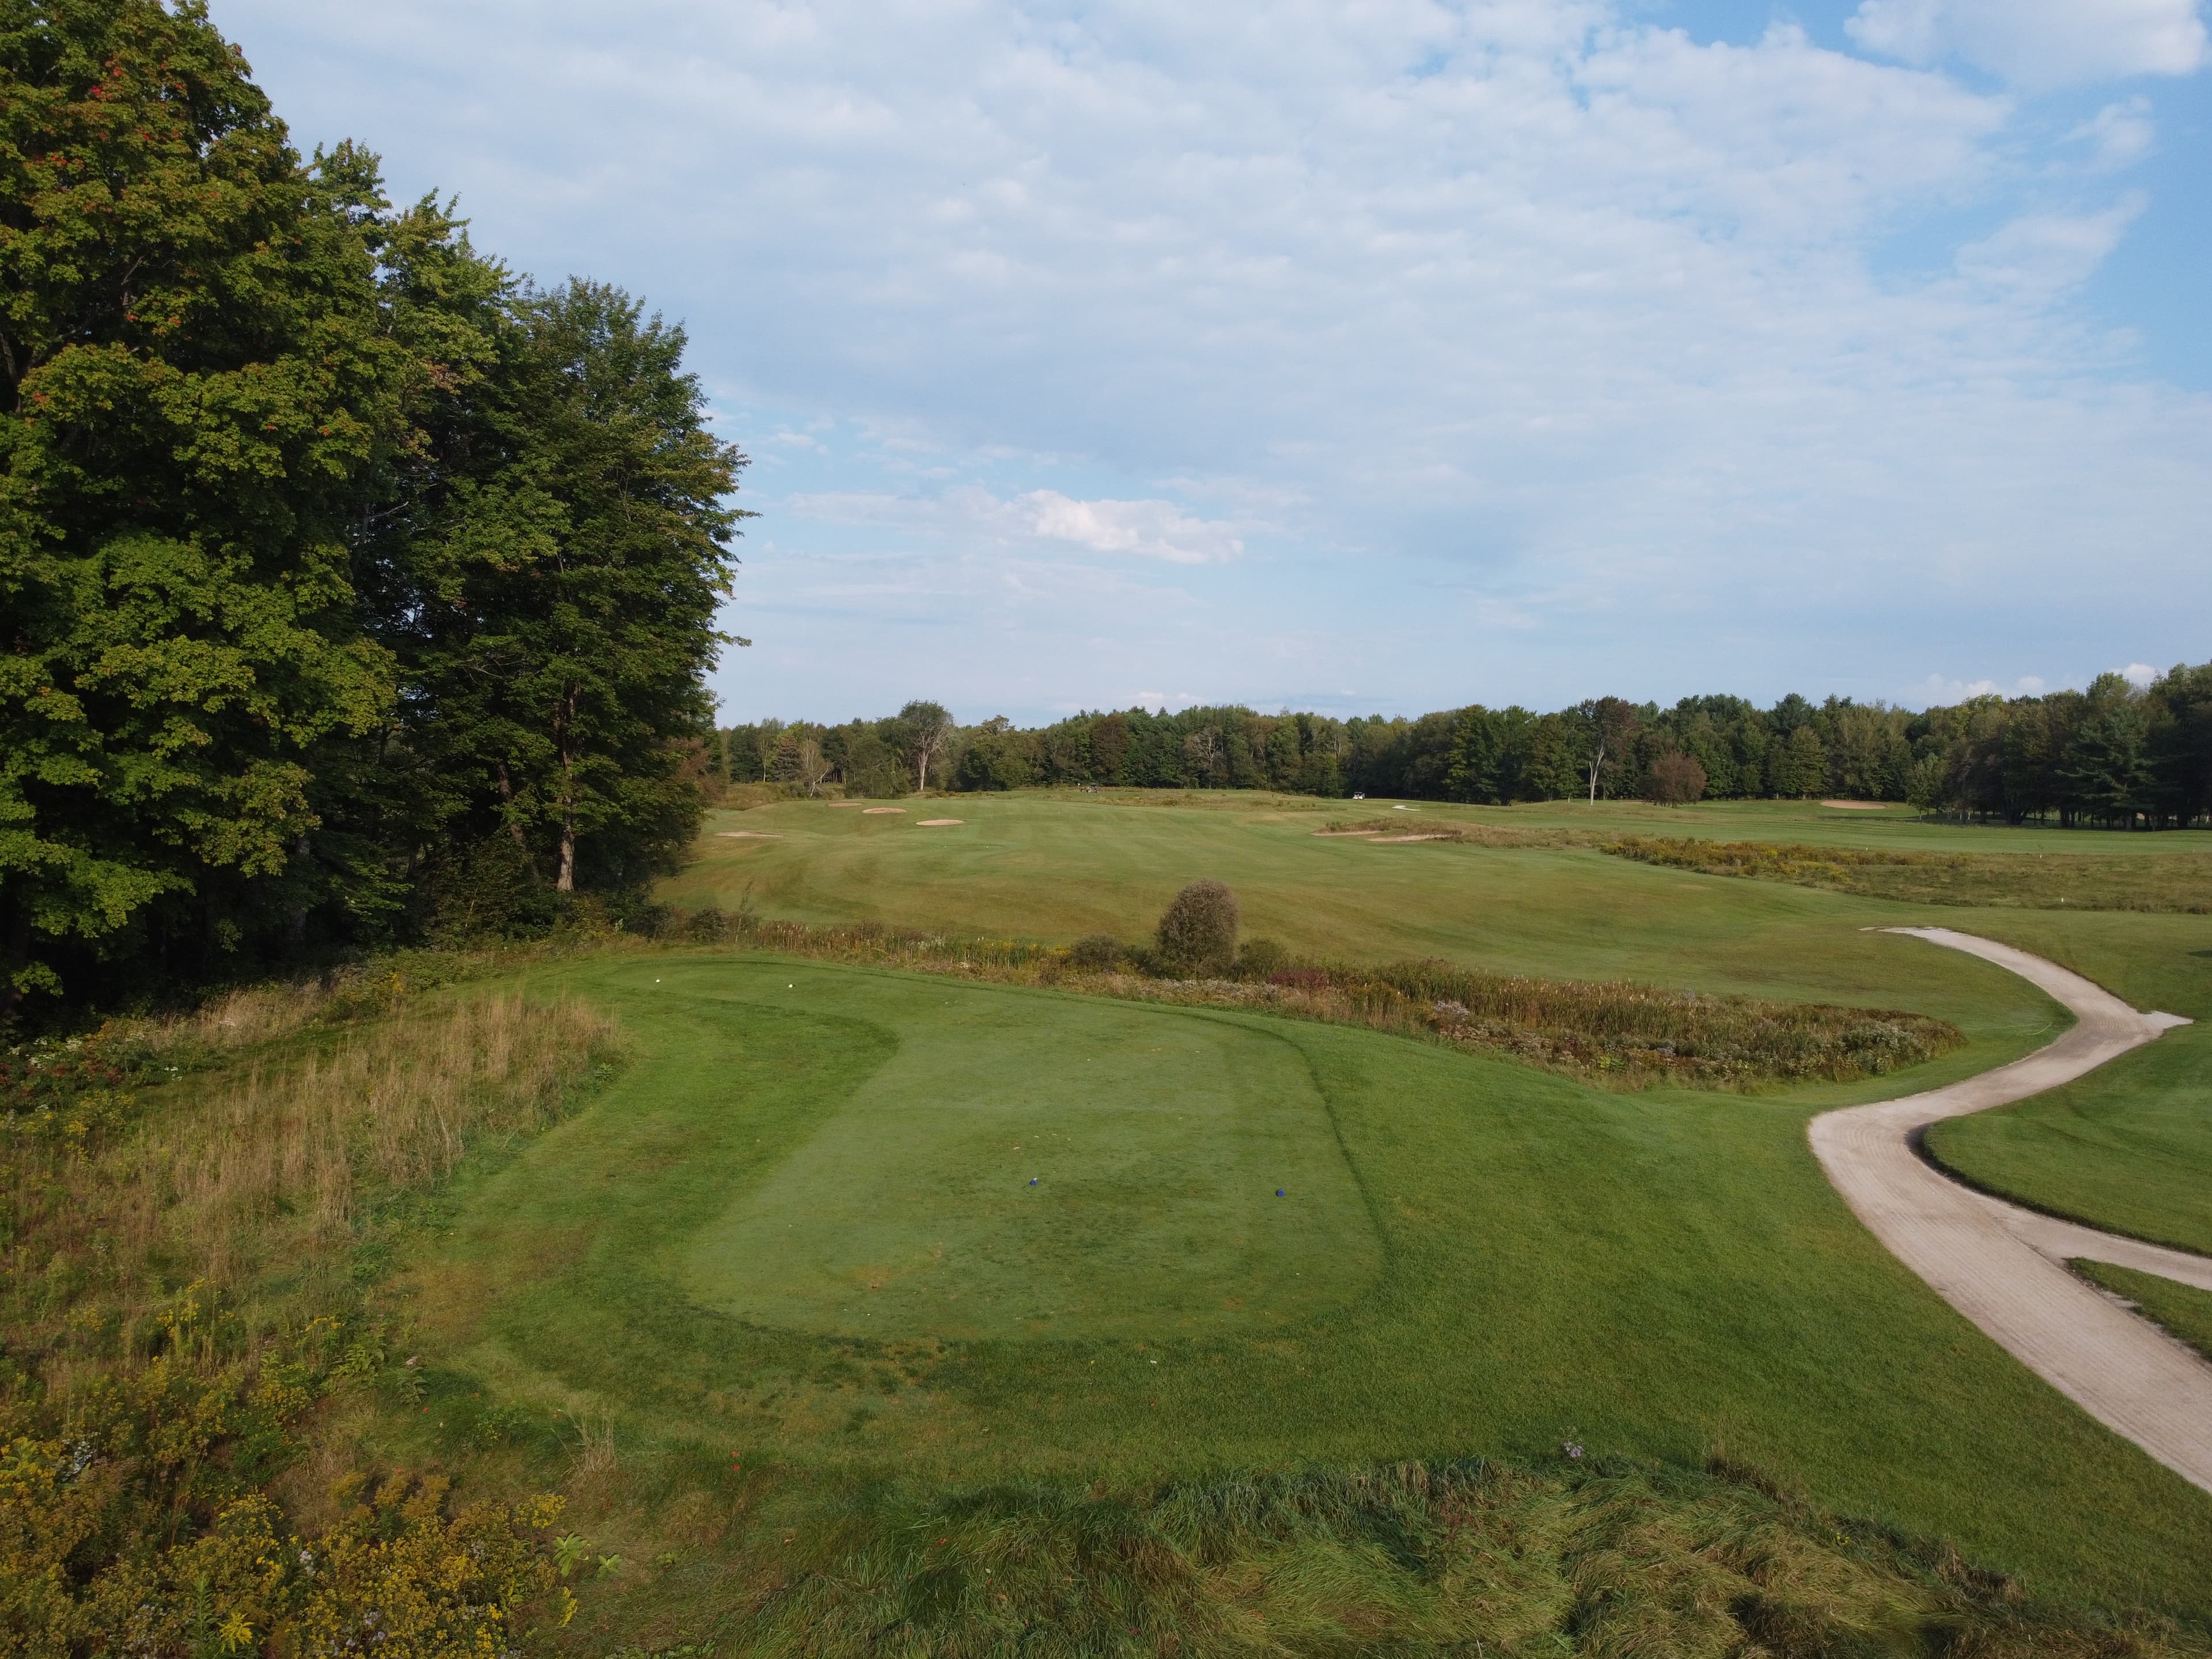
[
  {"x": 1674, "y": 780},
  {"x": 1197, "y": 930},
  {"x": 1262, "y": 958},
  {"x": 1097, "y": 951}
]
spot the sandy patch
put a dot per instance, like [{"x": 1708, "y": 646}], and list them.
[
  {"x": 1392, "y": 841},
  {"x": 937, "y": 823},
  {"x": 1339, "y": 835},
  {"x": 873, "y": 811},
  {"x": 844, "y": 803},
  {"x": 747, "y": 834},
  {"x": 1858, "y": 805}
]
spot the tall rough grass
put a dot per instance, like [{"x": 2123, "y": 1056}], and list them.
[
  {"x": 1619, "y": 1034},
  {"x": 265, "y": 1155},
  {"x": 1425, "y": 1559}
]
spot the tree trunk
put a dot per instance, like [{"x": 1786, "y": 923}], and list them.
[
  {"x": 507, "y": 799},
  {"x": 295, "y": 924},
  {"x": 566, "y": 883},
  {"x": 1595, "y": 764}
]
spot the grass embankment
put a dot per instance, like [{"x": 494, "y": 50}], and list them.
[
  {"x": 1414, "y": 1558},
  {"x": 797, "y": 1249},
  {"x": 195, "y": 1214},
  {"x": 2127, "y": 1148}
]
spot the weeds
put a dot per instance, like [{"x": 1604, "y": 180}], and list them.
[
  {"x": 180, "y": 1200},
  {"x": 1619, "y": 1035}
]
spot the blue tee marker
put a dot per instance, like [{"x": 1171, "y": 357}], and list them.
[
  {"x": 1278, "y": 1192},
  {"x": 1032, "y": 1181}
]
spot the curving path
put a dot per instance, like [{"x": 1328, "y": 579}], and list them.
[{"x": 2004, "y": 1267}]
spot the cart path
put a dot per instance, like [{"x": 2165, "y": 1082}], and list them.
[{"x": 2002, "y": 1266}]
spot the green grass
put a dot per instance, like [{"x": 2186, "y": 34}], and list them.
[
  {"x": 2183, "y": 1309},
  {"x": 1503, "y": 1260},
  {"x": 2128, "y": 1147}
]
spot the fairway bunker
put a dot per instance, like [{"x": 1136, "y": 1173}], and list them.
[
  {"x": 937, "y": 823},
  {"x": 880, "y": 811},
  {"x": 748, "y": 835}
]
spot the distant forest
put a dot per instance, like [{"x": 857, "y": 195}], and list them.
[{"x": 2114, "y": 757}]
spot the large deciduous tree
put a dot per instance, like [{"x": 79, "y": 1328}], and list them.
[
  {"x": 566, "y": 574},
  {"x": 194, "y": 382}
]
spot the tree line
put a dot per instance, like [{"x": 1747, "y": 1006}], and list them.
[
  {"x": 2114, "y": 755},
  {"x": 347, "y": 577}
]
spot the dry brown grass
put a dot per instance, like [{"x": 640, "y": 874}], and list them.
[{"x": 277, "y": 1157}]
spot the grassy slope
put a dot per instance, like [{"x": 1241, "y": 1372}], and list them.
[
  {"x": 1529, "y": 1259},
  {"x": 2130, "y": 1148}
]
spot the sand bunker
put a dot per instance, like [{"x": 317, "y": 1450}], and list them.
[
  {"x": 872, "y": 810},
  {"x": 844, "y": 803},
  {"x": 1858, "y": 805},
  {"x": 936, "y": 823},
  {"x": 748, "y": 835},
  {"x": 1332, "y": 834},
  {"x": 1392, "y": 841}
]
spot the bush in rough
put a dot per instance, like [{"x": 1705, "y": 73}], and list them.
[
  {"x": 1097, "y": 951},
  {"x": 1197, "y": 930}
]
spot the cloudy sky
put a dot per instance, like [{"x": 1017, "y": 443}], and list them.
[{"x": 1373, "y": 355}]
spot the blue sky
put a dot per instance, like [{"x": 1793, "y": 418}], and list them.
[{"x": 1379, "y": 356}]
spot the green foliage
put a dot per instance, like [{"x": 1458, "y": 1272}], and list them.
[
  {"x": 1197, "y": 932},
  {"x": 326, "y": 546},
  {"x": 554, "y": 599},
  {"x": 2111, "y": 756},
  {"x": 195, "y": 383}
]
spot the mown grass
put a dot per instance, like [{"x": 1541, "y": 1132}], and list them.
[
  {"x": 2130, "y": 1148},
  {"x": 2127, "y": 1148},
  {"x": 1640, "y": 1274},
  {"x": 2181, "y": 881},
  {"x": 2182, "y": 1309}
]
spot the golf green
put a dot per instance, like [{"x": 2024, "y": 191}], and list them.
[{"x": 1013, "y": 1170}]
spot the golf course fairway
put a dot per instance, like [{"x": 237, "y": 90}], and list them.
[{"x": 797, "y": 1232}]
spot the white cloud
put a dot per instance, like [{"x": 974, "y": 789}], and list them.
[
  {"x": 1938, "y": 691},
  {"x": 2119, "y": 134},
  {"x": 2040, "y": 254},
  {"x": 2037, "y": 43},
  {"x": 1440, "y": 350},
  {"x": 2138, "y": 674},
  {"x": 1148, "y": 529}
]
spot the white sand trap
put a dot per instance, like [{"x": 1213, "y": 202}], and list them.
[
  {"x": 937, "y": 823},
  {"x": 748, "y": 835},
  {"x": 1401, "y": 808},
  {"x": 1858, "y": 805},
  {"x": 873, "y": 811},
  {"x": 1393, "y": 841}
]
